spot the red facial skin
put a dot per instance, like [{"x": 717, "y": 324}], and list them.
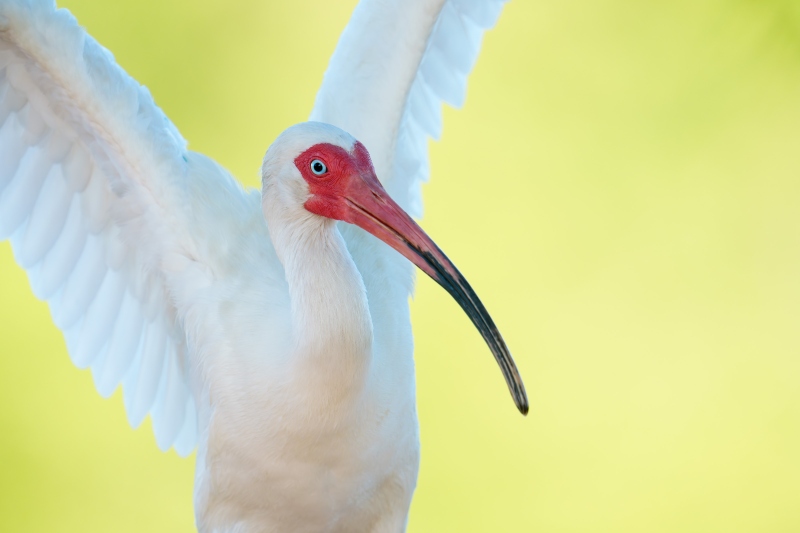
[
  {"x": 350, "y": 191},
  {"x": 347, "y": 174}
]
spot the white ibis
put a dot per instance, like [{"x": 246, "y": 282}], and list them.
[{"x": 248, "y": 324}]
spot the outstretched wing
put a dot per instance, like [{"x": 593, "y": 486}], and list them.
[
  {"x": 91, "y": 187},
  {"x": 395, "y": 64}
]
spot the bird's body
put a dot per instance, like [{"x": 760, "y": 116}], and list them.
[
  {"x": 335, "y": 441},
  {"x": 249, "y": 324}
]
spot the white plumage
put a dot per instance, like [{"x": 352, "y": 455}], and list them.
[{"x": 283, "y": 349}]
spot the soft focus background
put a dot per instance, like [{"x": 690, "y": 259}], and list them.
[{"x": 622, "y": 189}]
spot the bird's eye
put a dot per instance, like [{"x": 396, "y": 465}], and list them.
[{"x": 318, "y": 167}]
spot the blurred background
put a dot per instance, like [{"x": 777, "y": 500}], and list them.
[{"x": 621, "y": 188}]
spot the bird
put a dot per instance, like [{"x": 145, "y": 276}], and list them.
[{"x": 267, "y": 329}]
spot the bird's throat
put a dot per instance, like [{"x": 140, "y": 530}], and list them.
[{"x": 331, "y": 325}]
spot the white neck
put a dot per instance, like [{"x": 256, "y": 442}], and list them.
[{"x": 331, "y": 325}]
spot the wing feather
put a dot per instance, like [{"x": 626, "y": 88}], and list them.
[
  {"x": 122, "y": 345},
  {"x": 18, "y": 197},
  {"x": 12, "y": 100},
  {"x": 92, "y": 190},
  {"x": 82, "y": 285},
  {"x": 442, "y": 78},
  {"x": 99, "y": 318},
  {"x": 170, "y": 403},
  {"x": 46, "y": 221},
  {"x": 12, "y": 148},
  {"x": 141, "y": 388},
  {"x": 395, "y": 64},
  {"x": 61, "y": 258},
  {"x": 481, "y": 12}
]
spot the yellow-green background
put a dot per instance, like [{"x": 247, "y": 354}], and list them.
[{"x": 622, "y": 188}]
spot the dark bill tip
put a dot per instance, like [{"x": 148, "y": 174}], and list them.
[{"x": 448, "y": 276}]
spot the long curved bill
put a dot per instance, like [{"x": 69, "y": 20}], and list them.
[{"x": 373, "y": 210}]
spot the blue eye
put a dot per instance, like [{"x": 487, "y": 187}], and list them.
[{"x": 318, "y": 167}]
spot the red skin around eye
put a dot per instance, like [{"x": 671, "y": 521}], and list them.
[{"x": 347, "y": 174}]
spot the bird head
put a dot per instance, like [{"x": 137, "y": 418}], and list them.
[{"x": 317, "y": 170}]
